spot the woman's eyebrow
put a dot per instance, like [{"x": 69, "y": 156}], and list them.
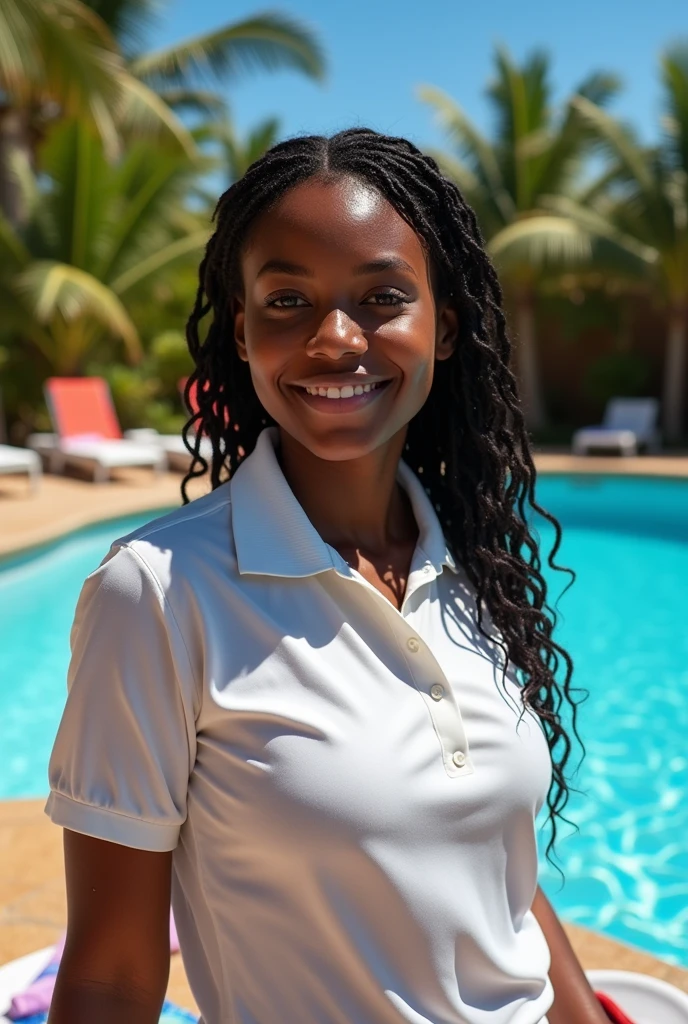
[
  {"x": 284, "y": 267},
  {"x": 386, "y": 263},
  {"x": 372, "y": 267}
]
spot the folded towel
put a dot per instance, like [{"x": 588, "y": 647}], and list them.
[
  {"x": 31, "y": 1005},
  {"x": 613, "y": 1011}
]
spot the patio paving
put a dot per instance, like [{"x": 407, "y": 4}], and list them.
[{"x": 32, "y": 899}]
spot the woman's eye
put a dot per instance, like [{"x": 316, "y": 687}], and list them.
[
  {"x": 286, "y": 302},
  {"x": 386, "y": 299}
]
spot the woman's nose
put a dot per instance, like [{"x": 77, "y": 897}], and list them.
[{"x": 337, "y": 336}]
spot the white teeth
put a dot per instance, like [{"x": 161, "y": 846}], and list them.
[{"x": 348, "y": 391}]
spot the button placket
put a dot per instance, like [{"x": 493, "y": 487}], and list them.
[
  {"x": 424, "y": 670},
  {"x": 442, "y": 706}
]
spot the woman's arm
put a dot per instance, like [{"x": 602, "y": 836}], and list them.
[
  {"x": 574, "y": 1000},
  {"x": 116, "y": 960}
]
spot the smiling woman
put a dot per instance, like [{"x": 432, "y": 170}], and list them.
[
  {"x": 320, "y": 702},
  {"x": 339, "y": 319}
]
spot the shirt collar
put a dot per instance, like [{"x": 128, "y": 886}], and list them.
[{"x": 273, "y": 536}]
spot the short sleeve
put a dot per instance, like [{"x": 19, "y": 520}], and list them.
[{"x": 126, "y": 743}]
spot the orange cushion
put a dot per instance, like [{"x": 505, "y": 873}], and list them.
[{"x": 82, "y": 406}]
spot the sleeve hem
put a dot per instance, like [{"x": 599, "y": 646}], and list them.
[{"x": 110, "y": 825}]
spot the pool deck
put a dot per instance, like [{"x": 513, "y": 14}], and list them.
[
  {"x": 32, "y": 898},
  {"x": 64, "y": 504}
]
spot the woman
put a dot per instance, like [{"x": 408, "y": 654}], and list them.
[{"x": 295, "y": 701}]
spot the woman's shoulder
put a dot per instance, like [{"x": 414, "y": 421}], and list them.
[{"x": 186, "y": 545}]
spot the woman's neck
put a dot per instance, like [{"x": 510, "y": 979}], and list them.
[{"x": 354, "y": 505}]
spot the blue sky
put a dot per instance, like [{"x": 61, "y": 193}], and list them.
[{"x": 380, "y": 50}]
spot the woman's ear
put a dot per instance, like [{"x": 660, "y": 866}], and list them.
[
  {"x": 238, "y": 315},
  {"x": 447, "y": 332}
]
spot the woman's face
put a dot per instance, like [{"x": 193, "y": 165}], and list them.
[{"x": 337, "y": 320}]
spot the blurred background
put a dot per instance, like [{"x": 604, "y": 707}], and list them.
[{"x": 121, "y": 122}]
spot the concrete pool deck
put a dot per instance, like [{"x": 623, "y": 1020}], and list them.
[
  {"x": 63, "y": 504},
  {"x": 32, "y": 899}
]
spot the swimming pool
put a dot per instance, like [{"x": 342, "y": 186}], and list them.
[{"x": 624, "y": 622}]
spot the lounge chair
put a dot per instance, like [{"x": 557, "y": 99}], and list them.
[
  {"x": 87, "y": 432},
  {"x": 21, "y": 460},
  {"x": 646, "y": 1000},
  {"x": 176, "y": 452},
  {"x": 627, "y": 424},
  {"x": 178, "y": 455}
]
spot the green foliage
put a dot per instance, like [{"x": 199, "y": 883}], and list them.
[
  {"x": 169, "y": 355},
  {"x": 616, "y": 374},
  {"x": 100, "y": 234},
  {"x": 148, "y": 395}
]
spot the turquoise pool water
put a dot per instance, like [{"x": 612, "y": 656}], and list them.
[{"x": 624, "y": 621}]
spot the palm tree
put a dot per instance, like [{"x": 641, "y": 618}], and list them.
[
  {"x": 236, "y": 152},
  {"x": 648, "y": 201},
  {"x": 83, "y": 58},
  {"x": 535, "y": 153},
  {"x": 98, "y": 236}
]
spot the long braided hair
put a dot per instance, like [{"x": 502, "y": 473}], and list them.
[{"x": 468, "y": 443}]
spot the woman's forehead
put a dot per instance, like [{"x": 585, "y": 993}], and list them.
[{"x": 334, "y": 214}]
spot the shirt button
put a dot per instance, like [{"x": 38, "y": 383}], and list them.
[
  {"x": 426, "y": 568},
  {"x": 413, "y": 645},
  {"x": 459, "y": 758},
  {"x": 437, "y": 691}
]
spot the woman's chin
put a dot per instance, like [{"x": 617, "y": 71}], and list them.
[{"x": 341, "y": 443}]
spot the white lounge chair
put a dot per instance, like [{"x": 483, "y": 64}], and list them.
[
  {"x": 178, "y": 455},
  {"x": 645, "y": 999},
  {"x": 87, "y": 432},
  {"x": 627, "y": 424},
  {"x": 21, "y": 460}
]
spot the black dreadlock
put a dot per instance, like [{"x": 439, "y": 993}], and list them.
[{"x": 469, "y": 441}]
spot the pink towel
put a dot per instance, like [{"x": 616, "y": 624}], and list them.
[{"x": 36, "y": 997}]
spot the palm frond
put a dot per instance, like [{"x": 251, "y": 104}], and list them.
[
  {"x": 200, "y": 101},
  {"x": 618, "y": 141},
  {"x": 520, "y": 96},
  {"x": 674, "y": 65},
  {"x": 541, "y": 242},
  {"x": 551, "y": 243},
  {"x": 599, "y": 87},
  {"x": 147, "y": 194},
  {"x": 129, "y": 21},
  {"x": 13, "y": 252},
  {"x": 270, "y": 41},
  {"x": 56, "y": 290},
  {"x": 145, "y": 114},
  {"x": 471, "y": 145},
  {"x": 169, "y": 255},
  {"x": 74, "y": 161},
  {"x": 601, "y": 226},
  {"x": 61, "y": 52}
]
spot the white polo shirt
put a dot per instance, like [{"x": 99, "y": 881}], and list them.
[{"x": 348, "y": 797}]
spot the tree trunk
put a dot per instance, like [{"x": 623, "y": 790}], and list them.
[
  {"x": 527, "y": 364},
  {"x": 15, "y": 144},
  {"x": 675, "y": 373}
]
